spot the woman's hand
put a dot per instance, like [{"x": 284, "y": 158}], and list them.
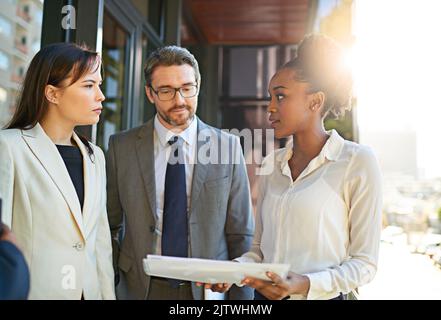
[
  {"x": 279, "y": 288},
  {"x": 7, "y": 235},
  {"x": 215, "y": 287}
]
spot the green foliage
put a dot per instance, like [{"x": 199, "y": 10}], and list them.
[{"x": 343, "y": 126}]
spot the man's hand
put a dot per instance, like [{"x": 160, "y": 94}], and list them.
[{"x": 215, "y": 287}]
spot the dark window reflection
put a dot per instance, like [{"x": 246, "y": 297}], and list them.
[
  {"x": 115, "y": 46},
  {"x": 153, "y": 12},
  {"x": 148, "y": 108}
]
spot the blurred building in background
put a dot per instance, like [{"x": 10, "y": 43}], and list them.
[{"x": 20, "y": 37}]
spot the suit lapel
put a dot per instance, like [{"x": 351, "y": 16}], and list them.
[
  {"x": 89, "y": 174},
  {"x": 46, "y": 152},
  {"x": 200, "y": 169},
  {"x": 146, "y": 161}
]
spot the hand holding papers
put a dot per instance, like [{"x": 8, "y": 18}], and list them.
[{"x": 209, "y": 271}]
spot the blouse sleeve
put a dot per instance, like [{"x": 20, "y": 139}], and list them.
[
  {"x": 363, "y": 195},
  {"x": 255, "y": 253}
]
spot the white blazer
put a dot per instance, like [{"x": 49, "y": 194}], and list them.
[{"x": 68, "y": 250}]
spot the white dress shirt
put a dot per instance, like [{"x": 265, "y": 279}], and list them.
[
  {"x": 161, "y": 136},
  {"x": 326, "y": 224}
]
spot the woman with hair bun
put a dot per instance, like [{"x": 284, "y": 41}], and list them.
[
  {"x": 53, "y": 182},
  {"x": 319, "y": 210}
]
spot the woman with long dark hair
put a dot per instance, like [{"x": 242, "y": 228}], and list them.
[{"x": 53, "y": 181}]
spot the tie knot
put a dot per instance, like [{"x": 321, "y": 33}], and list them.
[{"x": 175, "y": 139}]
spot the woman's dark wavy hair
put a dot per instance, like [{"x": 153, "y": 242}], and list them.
[
  {"x": 51, "y": 66},
  {"x": 319, "y": 62}
]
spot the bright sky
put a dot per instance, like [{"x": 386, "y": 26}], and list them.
[{"x": 397, "y": 64}]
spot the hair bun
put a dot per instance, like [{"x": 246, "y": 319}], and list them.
[{"x": 320, "y": 62}]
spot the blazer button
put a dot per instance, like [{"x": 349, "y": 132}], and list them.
[
  {"x": 152, "y": 229},
  {"x": 79, "y": 246}
]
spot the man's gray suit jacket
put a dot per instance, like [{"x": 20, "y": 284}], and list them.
[{"x": 220, "y": 218}]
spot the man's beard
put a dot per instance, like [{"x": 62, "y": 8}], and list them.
[{"x": 173, "y": 123}]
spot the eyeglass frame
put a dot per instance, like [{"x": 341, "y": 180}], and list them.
[{"x": 176, "y": 90}]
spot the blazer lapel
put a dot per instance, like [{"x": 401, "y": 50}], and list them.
[
  {"x": 46, "y": 152},
  {"x": 200, "y": 169},
  {"x": 89, "y": 174},
  {"x": 146, "y": 161}
]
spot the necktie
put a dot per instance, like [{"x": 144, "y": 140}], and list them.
[{"x": 175, "y": 226}]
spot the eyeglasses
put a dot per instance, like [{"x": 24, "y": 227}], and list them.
[{"x": 167, "y": 93}]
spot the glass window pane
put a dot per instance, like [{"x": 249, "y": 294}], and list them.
[
  {"x": 5, "y": 26},
  {"x": 149, "y": 109},
  {"x": 4, "y": 61},
  {"x": 156, "y": 15},
  {"x": 3, "y": 96},
  {"x": 141, "y": 6},
  {"x": 152, "y": 11},
  {"x": 115, "y": 46}
]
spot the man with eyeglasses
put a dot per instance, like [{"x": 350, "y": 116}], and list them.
[{"x": 167, "y": 194}]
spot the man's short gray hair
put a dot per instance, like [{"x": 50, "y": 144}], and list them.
[{"x": 170, "y": 56}]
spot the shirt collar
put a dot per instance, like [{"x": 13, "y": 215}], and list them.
[
  {"x": 164, "y": 135},
  {"x": 331, "y": 151},
  {"x": 333, "y": 147}
]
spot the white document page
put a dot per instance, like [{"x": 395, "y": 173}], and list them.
[{"x": 209, "y": 271}]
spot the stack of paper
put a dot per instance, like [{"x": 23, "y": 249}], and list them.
[{"x": 209, "y": 271}]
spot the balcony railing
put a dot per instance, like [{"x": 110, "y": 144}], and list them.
[
  {"x": 23, "y": 14},
  {"x": 16, "y": 78},
  {"x": 21, "y": 47}
]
